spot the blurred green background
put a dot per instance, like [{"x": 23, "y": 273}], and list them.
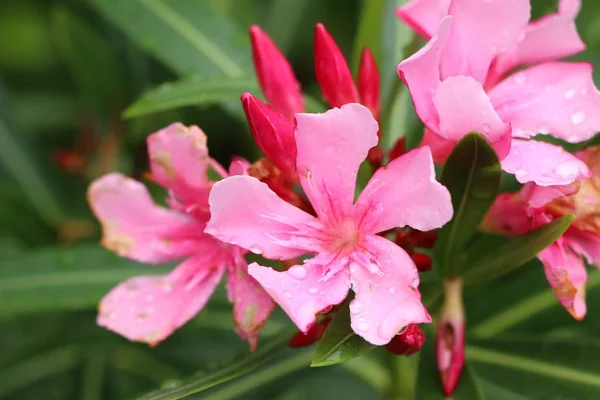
[{"x": 68, "y": 71}]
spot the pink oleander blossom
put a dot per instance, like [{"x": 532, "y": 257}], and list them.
[
  {"x": 533, "y": 206},
  {"x": 150, "y": 308},
  {"x": 343, "y": 235},
  {"x": 457, "y": 82}
]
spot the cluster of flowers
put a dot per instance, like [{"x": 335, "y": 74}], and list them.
[{"x": 462, "y": 80}]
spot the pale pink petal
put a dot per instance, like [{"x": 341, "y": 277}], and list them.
[
  {"x": 557, "y": 98},
  {"x": 567, "y": 276},
  {"x": 405, "y": 192},
  {"x": 302, "y": 291},
  {"x": 423, "y": 16},
  {"x": 585, "y": 243},
  {"x": 388, "y": 302},
  {"x": 149, "y": 308},
  {"x": 421, "y": 74},
  {"x": 507, "y": 216},
  {"x": 331, "y": 147},
  {"x": 440, "y": 147},
  {"x": 252, "y": 306},
  {"x": 463, "y": 107},
  {"x": 538, "y": 196},
  {"x": 179, "y": 162},
  {"x": 481, "y": 30},
  {"x": 134, "y": 227},
  {"x": 543, "y": 163},
  {"x": 247, "y": 213},
  {"x": 549, "y": 38},
  {"x": 239, "y": 166}
]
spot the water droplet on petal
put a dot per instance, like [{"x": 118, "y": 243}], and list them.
[
  {"x": 391, "y": 289},
  {"x": 567, "y": 169},
  {"x": 569, "y": 94},
  {"x": 578, "y": 117},
  {"x": 297, "y": 271},
  {"x": 363, "y": 326},
  {"x": 356, "y": 306},
  {"x": 288, "y": 295},
  {"x": 486, "y": 127},
  {"x": 313, "y": 290},
  {"x": 415, "y": 283},
  {"x": 543, "y": 129},
  {"x": 520, "y": 172},
  {"x": 255, "y": 249}
]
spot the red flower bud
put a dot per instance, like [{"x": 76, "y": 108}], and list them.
[
  {"x": 368, "y": 82},
  {"x": 275, "y": 75},
  {"x": 273, "y": 133},
  {"x": 422, "y": 261},
  {"x": 375, "y": 157},
  {"x": 408, "y": 342},
  {"x": 311, "y": 336},
  {"x": 450, "y": 339},
  {"x": 425, "y": 240},
  {"x": 398, "y": 149},
  {"x": 333, "y": 73}
]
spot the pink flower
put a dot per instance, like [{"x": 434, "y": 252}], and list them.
[
  {"x": 533, "y": 206},
  {"x": 457, "y": 87},
  {"x": 150, "y": 308},
  {"x": 343, "y": 236}
]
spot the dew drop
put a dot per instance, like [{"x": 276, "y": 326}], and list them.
[
  {"x": 578, "y": 117},
  {"x": 567, "y": 169},
  {"x": 520, "y": 172},
  {"x": 569, "y": 94},
  {"x": 297, "y": 271},
  {"x": 543, "y": 129},
  {"x": 486, "y": 127},
  {"x": 391, "y": 289},
  {"x": 363, "y": 326},
  {"x": 288, "y": 295},
  {"x": 356, "y": 306},
  {"x": 313, "y": 290},
  {"x": 255, "y": 249},
  {"x": 415, "y": 283}
]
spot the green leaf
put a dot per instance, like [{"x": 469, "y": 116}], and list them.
[
  {"x": 514, "y": 252},
  {"x": 339, "y": 342},
  {"x": 186, "y": 35},
  {"x": 63, "y": 279},
  {"x": 472, "y": 175},
  {"x": 283, "y": 20},
  {"x": 192, "y": 91},
  {"x": 370, "y": 31},
  {"x": 232, "y": 369}
]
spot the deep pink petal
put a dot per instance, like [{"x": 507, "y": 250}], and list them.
[
  {"x": 567, "y": 276},
  {"x": 423, "y": 16},
  {"x": 585, "y": 243},
  {"x": 421, "y": 74},
  {"x": 239, "y": 166},
  {"x": 368, "y": 82},
  {"x": 331, "y": 147},
  {"x": 247, "y": 213},
  {"x": 149, "y": 308},
  {"x": 301, "y": 291},
  {"x": 405, "y": 192},
  {"x": 388, "y": 302},
  {"x": 557, "y": 98},
  {"x": 463, "y": 107},
  {"x": 549, "y": 38},
  {"x": 508, "y": 216},
  {"x": 134, "y": 227},
  {"x": 252, "y": 306},
  {"x": 179, "y": 162},
  {"x": 543, "y": 163},
  {"x": 440, "y": 147},
  {"x": 481, "y": 30}
]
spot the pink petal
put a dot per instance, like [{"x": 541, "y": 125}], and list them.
[
  {"x": 247, "y": 213},
  {"x": 179, "y": 162},
  {"x": 464, "y": 107},
  {"x": 567, "y": 276},
  {"x": 239, "y": 166},
  {"x": 508, "y": 216},
  {"x": 277, "y": 79},
  {"x": 440, "y": 147},
  {"x": 405, "y": 192},
  {"x": 481, "y": 30},
  {"x": 301, "y": 291},
  {"x": 331, "y": 147},
  {"x": 585, "y": 243},
  {"x": 549, "y": 38},
  {"x": 421, "y": 74},
  {"x": 252, "y": 306},
  {"x": 149, "y": 308},
  {"x": 543, "y": 163},
  {"x": 385, "y": 304},
  {"x": 134, "y": 227},
  {"x": 538, "y": 196},
  {"x": 557, "y": 98},
  {"x": 423, "y": 16}
]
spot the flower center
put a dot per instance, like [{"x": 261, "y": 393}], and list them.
[{"x": 343, "y": 236}]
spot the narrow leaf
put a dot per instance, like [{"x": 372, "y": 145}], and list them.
[
  {"x": 514, "y": 252},
  {"x": 369, "y": 31},
  {"x": 339, "y": 342},
  {"x": 472, "y": 175}
]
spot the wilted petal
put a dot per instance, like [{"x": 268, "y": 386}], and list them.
[
  {"x": 301, "y": 291},
  {"x": 405, "y": 192},
  {"x": 332, "y": 71},
  {"x": 134, "y": 227},
  {"x": 543, "y": 163},
  {"x": 179, "y": 162},
  {"x": 423, "y": 16},
  {"x": 331, "y": 147},
  {"x": 421, "y": 74},
  {"x": 566, "y": 274},
  {"x": 149, "y": 308},
  {"x": 481, "y": 30},
  {"x": 368, "y": 82},
  {"x": 252, "y": 306},
  {"x": 247, "y": 213},
  {"x": 388, "y": 302},
  {"x": 557, "y": 98},
  {"x": 276, "y": 77}
]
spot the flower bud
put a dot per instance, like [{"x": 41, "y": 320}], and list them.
[
  {"x": 275, "y": 75},
  {"x": 398, "y": 149},
  {"x": 422, "y": 261},
  {"x": 408, "y": 342},
  {"x": 313, "y": 335},
  {"x": 333, "y": 73},
  {"x": 368, "y": 82}
]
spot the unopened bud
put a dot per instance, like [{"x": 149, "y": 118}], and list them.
[
  {"x": 408, "y": 342},
  {"x": 368, "y": 82},
  {"x": 311, "y": 336}
]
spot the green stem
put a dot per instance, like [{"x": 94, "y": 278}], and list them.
[{"x": 404, "y": 376}]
